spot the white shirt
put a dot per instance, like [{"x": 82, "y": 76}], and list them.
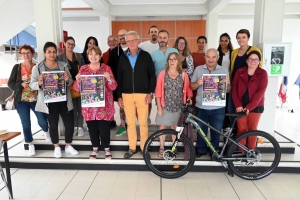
[
  {"x": 226, "y": 60},
  {"x": 148, "y": 46}
]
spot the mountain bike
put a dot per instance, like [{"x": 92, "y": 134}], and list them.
[{"x": 238, "y": 159}]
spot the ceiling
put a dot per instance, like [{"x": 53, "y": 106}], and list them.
[{"x": 127, "y": 10}]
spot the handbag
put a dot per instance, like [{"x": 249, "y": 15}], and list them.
[
  {"x": 74, "y": 93},
  {"x": 10, "y": 100}
]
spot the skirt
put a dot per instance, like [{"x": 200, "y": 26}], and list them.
[{"x": 168, "y": 118}]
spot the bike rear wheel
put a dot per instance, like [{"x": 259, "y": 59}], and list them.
[
  {"x": 255, "y": 163},
  {"x": 172, "y": 164}
]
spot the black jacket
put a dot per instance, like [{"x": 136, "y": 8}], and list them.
[
  {"x": 15, "y": 83},
  {"x": 141, "y": 79}
]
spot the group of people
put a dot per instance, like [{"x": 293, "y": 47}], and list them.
[{"x": 135, "y": 73}]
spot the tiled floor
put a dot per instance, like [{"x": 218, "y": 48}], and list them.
[{"x": 123, "y": 185}]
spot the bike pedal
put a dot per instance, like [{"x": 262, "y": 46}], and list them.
[{"x": 230, "y": 173}]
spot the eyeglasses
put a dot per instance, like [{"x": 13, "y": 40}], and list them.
[
  {"x": 111, "y": 41},
  {"x": 183, "y": 43},
  {"x": 256, "y": 60},
  {"x": 131, "y": 41},
  {"x": 172, "y": 59},
  {"x": 26, "y": 53},
  {"x": 121, "y": 36},
  {"x": 70, "y": 44}
]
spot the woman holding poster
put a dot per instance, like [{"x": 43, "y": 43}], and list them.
[
  {"x": 248, "y": 90},
  {"x": 50, "y": 77},
  {"x": 96, "y": 84}
]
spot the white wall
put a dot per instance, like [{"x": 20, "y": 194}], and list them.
[{"x": 81, "y": 30}]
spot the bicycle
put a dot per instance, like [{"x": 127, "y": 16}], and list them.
[{"x": 250, "y": 164}]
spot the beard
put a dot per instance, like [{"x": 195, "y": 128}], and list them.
[
  {"x": 163, "y": 44},
  {"x": 154, "y": 38}
]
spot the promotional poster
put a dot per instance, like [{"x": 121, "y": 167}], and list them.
[
  {"x": 214, "y": 90},
  {"x": 54, "y": 86},
  {"x": 92, "y": 88}
]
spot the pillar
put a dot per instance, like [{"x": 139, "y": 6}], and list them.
[
  {"x": 212, "y": 30},
  {"x": 105, "y": 31},
  {"x": 48, "y": 20},
  {"x": 268, "y": 26}
]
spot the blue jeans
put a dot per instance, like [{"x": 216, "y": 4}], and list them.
[
  {"x": 231, "y": 109},
  {"x": 23, "y": 109},
  {"x": 214, "y": 118}
]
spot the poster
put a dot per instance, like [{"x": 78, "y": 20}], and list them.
[
  {"x": 214, "y": 90},
  {"x": 92, "y": 88},
  {"x": 54, "y": 86}
]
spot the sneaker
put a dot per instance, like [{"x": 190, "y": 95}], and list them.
[
  {"x": 80, "y": 132},
  {"x": 75, "y": 130},
  {"x": 31, "y": 150},
  {"x": 149, "y": 121},
  {"x": 121, "y": 131},
  {"x": 199, "y": 154},
  {"x": 47, "y": 136},
  {"x": 113, "y": 124},
  {"x": 57, "y": 152},
  {"x": 71, "y": 150}
]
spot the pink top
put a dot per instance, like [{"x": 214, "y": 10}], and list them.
[
  {"x": 99, "y": 113},
  {"x": 159, "y": 90}
]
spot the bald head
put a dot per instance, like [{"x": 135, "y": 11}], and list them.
[
  {"x": 121, "y": 36},
  {"x": 211, "y": 58}
]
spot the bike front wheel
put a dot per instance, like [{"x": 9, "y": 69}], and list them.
[
  {"x": 260, "y": 156},
  {"x": 170, "y": 163}
]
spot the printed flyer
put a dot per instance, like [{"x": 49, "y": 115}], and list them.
[
  {"x": 214, "y": 90},
  {"x": 92, "y": 88},
  {"x": 54, "y": 86}
]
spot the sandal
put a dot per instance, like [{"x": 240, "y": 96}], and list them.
[
  {"x": 93, "y": 156},
  {"x": 161, "y": 152},
  {"x": 107, "y": 156}
]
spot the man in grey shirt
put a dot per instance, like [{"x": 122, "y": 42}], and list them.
[{"x": 213, "y": 115}]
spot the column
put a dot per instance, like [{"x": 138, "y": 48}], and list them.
[
  {"x": 48, "y": 20},
  {"x": 212, "y": 30},
  {"x": 105, "y": 31},
  {"x": 268, "y": 25}
]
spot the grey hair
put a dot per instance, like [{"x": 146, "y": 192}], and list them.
[
  {"x": 212, "y": 49},
  {"x": 132, "y": 33},
  {"x": 112, "y": 37}
]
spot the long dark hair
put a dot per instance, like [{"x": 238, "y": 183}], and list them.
[
  {"x": 186, "y": 50},
  {"x": 87, "y": 41},
  {"x": 229, "y": 44}
]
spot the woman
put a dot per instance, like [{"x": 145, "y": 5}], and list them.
[
  {"x": 53, "y": 110},
  {"x": 98, "y": 118},
  {"x": 225, "y": 48},
  {"x": 25, "y": 98},
  {"x": 185, "y": 55},
  {"x": 172, "y": 89},
  {"x": 74, "y": 60},
  {"x": 199, "y": 59},
  {"x": 238, "y": 60},
  {"x": 198, "y": 56},
  {"x": 248, "y": 90},
  {"x": 90, "y": 42}
]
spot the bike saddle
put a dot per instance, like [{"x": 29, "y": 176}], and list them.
[{"x": 236, "y": 115}]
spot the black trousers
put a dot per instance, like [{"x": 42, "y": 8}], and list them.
[
  {"x": 102, "y": 128},
  {"x": 56, "y": 109}
]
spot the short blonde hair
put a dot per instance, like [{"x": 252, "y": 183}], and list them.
[{"x": 96, "y": 49}]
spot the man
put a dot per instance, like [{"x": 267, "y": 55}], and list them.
[
  {"x": 152, "y": 44},
  {"x": 112, "y": 43},
  {"x": 113, "y": 62},
  {"x": 213, "y": 115},
  {"x": 160, "y": 56},
  {"x": 136, "y": 80}
]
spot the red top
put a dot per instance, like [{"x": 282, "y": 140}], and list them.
[
  {"x": 257, "y": 86},
  {"x": 159, "y": 90},
  {"x": 99, "y": 113},
  {"x": 198, "y": 59},
  {"x": 105, "y": 56}
]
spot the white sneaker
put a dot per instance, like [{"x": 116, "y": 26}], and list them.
[
  {"x": 75, "y": 131},
  {"x": 47, "y": 136},
  {"x": 71, "y": 150},
  {"x": 31, "y": 150},
  {"x": 57, "y": 152},
  {"x": 80, "y": 132}
]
